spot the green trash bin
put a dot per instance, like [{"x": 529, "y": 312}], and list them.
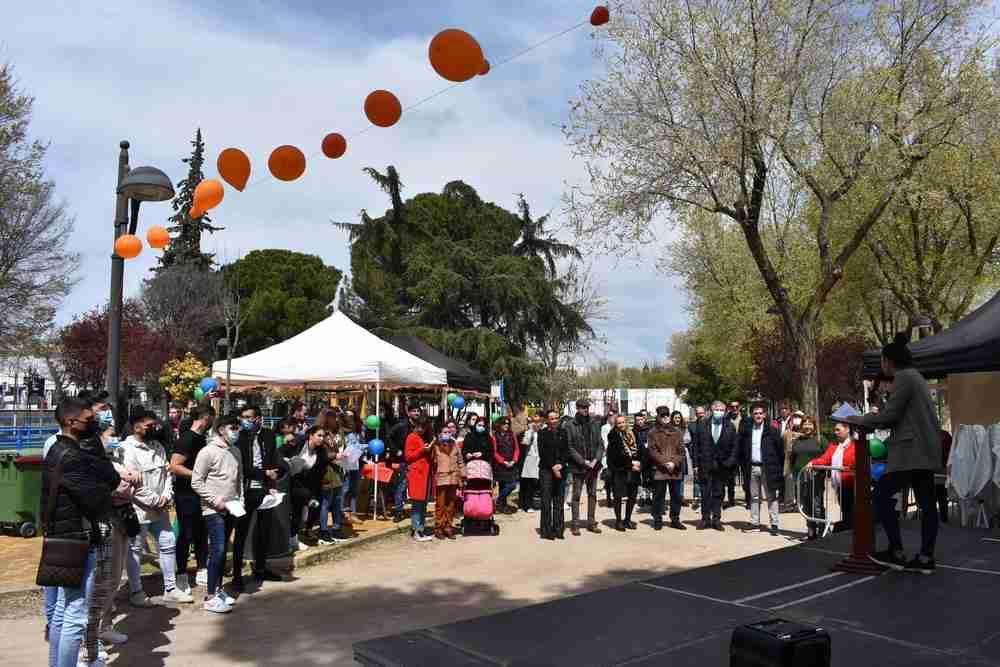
[{"x": 20, "y": 492}]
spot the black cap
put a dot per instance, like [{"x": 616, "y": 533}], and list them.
[{"x": 583, "y": 403}]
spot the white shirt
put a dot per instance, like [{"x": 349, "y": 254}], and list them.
[
  {"x": 258, "y": 460},
  {"x": 716, "y": 430},
  {"x": 48, "y": 444},
  {"x": 838, "y": 461},
  {"x": 758, "y": 433},
  {"x": 308, "y": 457}
]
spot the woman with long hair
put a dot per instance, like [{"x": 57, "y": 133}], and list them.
[
  {"x": 805, "y": 448},
  {"x": 677, "y": 421},
  {"x": 418, "y": 455},
  {"x": 354, "y": 447},
  {"x": 625, "y": 465},
  {"x": 505, "y": 457},
  {"x": 310, "y": 465}
]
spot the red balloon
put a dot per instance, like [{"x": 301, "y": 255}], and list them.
[
  {"x": 456, "y": 55},
  {"x": 383, "y": 108},
  {"x": 334, "y": 145},
  {"x": 485, "y": 69},
  {"x": 128, "y": 246},
  {"x": 600, "y": 15},
  {"x": 286, "y": 163}
]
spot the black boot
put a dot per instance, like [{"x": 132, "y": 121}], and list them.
[{"x": 629, "y": 506}]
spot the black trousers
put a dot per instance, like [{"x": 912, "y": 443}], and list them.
[
  {"x": 190, "y": 533},
  {"x": 660, "y": 487},
  {"x": 941, "y": 491},
  {"x": 922, "y": 482},
  {"x": 847, "y": 508},
  {"x": 526, "y": 494},
  {"x": 713, "y": 488},
  {"x": 553, "y": 519},
  {"x": 624, "y": 486},
  {"x": 253, "y": 499}
]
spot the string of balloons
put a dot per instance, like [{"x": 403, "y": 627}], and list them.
[{"x": 454, "y": 54}]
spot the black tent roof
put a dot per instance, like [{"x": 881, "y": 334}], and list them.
[
  {"x": 460, "y": 375},
  {"x": 972, "y": 345}
]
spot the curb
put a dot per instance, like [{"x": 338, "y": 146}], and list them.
[{"x": 316, "y": 555}]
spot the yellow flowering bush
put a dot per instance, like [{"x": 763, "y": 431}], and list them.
[{"x": 179, "y": 377}]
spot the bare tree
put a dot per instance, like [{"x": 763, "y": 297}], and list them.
[
  {"x": 734, "y": 106},
  {"x": 233, "y": 313},
  {"x": 180, "y": 301}
]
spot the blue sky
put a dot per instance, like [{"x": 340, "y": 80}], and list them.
[{"x": 260, "y": 74}]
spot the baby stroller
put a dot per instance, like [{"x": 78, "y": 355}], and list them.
[{"x": 477, "y": 505}]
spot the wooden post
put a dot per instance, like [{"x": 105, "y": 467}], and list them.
[{"x": 863, "y": 542}]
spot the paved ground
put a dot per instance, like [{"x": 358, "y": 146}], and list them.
[{"x": 394, "y": 585}]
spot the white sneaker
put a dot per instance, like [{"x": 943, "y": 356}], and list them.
[
  {"x": 201, "y": 579},
  {"x": 139, "y": 600},
  {"x": 423, "y": 537},
  {"x": 183, "y": 584},
  {"x": 226, "y": 597},
  {"x": 529, "y": 510},
  {"x": 177, "y": 595},
  {"x": 217, "y": 605},
  {"x": 82, "y": 662},
  {"x": 301, "y": 546},
  {"x": 112, "y": 637}
]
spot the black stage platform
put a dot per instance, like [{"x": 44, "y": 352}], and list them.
[{"x": 950, "y": 618}]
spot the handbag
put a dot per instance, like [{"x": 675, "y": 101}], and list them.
[
  {"x": 64, "y": 559},
  {"x": 131, "y": 520}
]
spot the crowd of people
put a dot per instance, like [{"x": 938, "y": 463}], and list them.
[{"x": 225, "y": 478}]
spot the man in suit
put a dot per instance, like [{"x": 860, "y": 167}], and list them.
[
  {"x": 586, "y": 450},
  {"x": 714, "y": 459},
  {"x": 762, "y": 452},
  {"x": 258, "y": 451},
  {"x": 692, "y": 427}
]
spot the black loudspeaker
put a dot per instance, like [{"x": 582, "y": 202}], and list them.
[{"x": 779, "y": 643}]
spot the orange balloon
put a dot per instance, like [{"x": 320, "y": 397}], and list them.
[
  {"x": 600, "y": 15},
  {"x": 334, "y": 145},
  {"x": 383, "y": 108},
  {"x": 485, "y": 69},
  {"x": 158, "y": 237},
  {"x": 208, "y": 194},
  {"x": 195, "y": 213},
  {"x": 456, "y": 55},
  {"x": 286, "y": 163},
  {"x": 128, "y": 246},
  {"x": 234, "y": 167}
]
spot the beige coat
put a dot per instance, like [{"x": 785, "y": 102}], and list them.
[
  {"x": 449, "y": 470},
  {"x": 217, "y": 473}
]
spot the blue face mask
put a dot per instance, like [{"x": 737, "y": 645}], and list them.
[
  {"x": 106, "y": 418},
  {"x": 112, "y": 443},
  {"x": 232, "y": 437},
  {"x": 247, "y": 424},
  {"x": 480, "y": 428}
]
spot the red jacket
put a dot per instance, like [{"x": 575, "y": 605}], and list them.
[
  {"x": 418, "y": 466},
  {"x": 847, "y": 477}
]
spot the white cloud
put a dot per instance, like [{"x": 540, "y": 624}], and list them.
[{"x": 152, "y": 74}]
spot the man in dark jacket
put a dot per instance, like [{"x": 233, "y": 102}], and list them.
[
  {"x": 641, "y": 432},
  {"x": 762, "y": 453},
  {"x": 258, "y": 450},
  {"x": 82, "y": 504},
  {"x": 666, "y": 452},
  {"x": 553, "y": 461},
  {"x": 742, "y": 424},
  {"x": 692, "y": 427},
  {"x": 586, "y": 449},
  {"x": 714, "y": 459},
  {"x": 396, "y": 444}
]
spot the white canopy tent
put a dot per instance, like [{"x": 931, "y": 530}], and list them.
[{"x": 332, "y": 354}]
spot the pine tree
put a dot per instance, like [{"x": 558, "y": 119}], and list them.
[{"x": 185, "y": 242}]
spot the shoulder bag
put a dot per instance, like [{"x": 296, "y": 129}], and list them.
[{"x": 64, "y": 560}]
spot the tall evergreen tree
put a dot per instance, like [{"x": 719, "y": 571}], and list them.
[{"x": 185, "y": 242}]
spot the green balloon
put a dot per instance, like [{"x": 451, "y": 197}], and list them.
[
  {"x": 451, "y": 398},
  {"x": 373, "y": 422},
  {"x": 497, "y": 417},
  {"x": 877, "y": 448},
  {"x": 199, "y": 393}
]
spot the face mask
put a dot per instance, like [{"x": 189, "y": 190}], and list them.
[
  {"x": 247, "y": 424},
  {"x": 445, "y": 437},
  {"x": 480, "y": 428},
  {"x": 112, "y": 443},
  {"x": 232, "y": 437},
  {"x": 718, "y": 414}
]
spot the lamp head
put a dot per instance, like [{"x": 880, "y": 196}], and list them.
[{"x": 146, "y": 184}]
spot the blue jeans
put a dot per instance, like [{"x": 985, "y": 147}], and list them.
[
  {"x": 401, "y": 489},
  {"x": 215, "y": 527},
  {"x": 418, "y": 510},
  {"x": 51, "y": 594},
  {"x": 506, "y": 488},
  {"x": 166, "y": 544},
  {"x": 69, "y": 619},
  {"x": 349, "y": 496},
  {"x": 330, "y": 503}
]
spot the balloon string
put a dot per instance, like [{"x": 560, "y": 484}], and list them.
[{"x": 501, "y": 63}]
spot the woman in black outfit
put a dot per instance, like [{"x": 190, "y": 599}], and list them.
[
  {"x": 625, "y": 464},
  {"x": 307, "y": 482}
]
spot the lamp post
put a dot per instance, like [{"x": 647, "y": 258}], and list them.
[
  {"x": 223, "y": 343},
  {"x": 134, "y": 187}
]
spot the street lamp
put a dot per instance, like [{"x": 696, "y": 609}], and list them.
[
  {"x": 923, "y": 325},
  {"x": 223, "y": 344},
  {"x": 134, "y": 187}
]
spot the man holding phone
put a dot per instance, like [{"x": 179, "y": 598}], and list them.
[{"x": 259, "y": 453}]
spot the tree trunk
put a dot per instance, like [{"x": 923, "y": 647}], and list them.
[{"x": 805, "y": 355}]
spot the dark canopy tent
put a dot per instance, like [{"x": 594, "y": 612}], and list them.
[
  {"x": 970, "y": 346},
  {"x": 460, "y": 376}
]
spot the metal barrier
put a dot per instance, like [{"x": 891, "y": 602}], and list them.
[
  {"x": 815, "y": 506},
  {"x": 25, "y": 437}
]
